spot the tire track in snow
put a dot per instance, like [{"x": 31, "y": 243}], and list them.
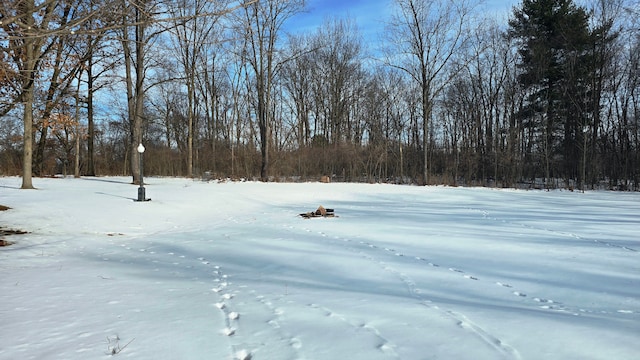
[{"x": 460, "y": 320}]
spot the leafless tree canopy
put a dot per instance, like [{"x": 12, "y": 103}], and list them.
[{"x": 448, "y": 94}]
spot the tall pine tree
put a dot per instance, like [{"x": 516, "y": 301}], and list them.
[{"x": 554, "y": 44}]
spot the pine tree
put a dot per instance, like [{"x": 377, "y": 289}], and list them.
[{"x": 554, "y": 44}]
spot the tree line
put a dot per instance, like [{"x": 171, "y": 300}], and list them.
[{"x": 447, "y": 95}]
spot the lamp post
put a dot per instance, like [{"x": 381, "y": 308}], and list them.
[
  {"x": 141, "y": 194},
  {"x": 585, "y": 130}
]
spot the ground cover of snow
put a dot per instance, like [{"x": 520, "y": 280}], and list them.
[{"x": 209, "y": 270}]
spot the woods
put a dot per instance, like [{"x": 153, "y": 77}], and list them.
[{"x": 450, "y": 95}]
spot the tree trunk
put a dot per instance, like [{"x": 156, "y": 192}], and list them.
[
  {"x": 27, "y": 158},
  {"x": 135, "y": 92},
  {"x": 28, "y": 82},
  {"x": 91, "y": 170},
  {"x": 263, "y": 120},
  {"x": 426, "y": 113}
]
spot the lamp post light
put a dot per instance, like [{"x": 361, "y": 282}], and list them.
[{"x": 141, "y": 190}]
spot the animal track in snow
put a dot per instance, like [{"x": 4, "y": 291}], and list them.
[
  {"x": 417, "y": 293},
  {"x": 242, "y": 355},
  {"x": 485, "y": 215},
  {"x": 275, "y": 318},
  {"x": 384, "y": 345},
  {"x": 160, "y": 254},
  {"x": 543, "y": 300},
  {"x": 499, "y": 345},
  {"x": 295, "y": 343},
  {"x": 392, "y": 257},
  {"x": 231, "y": 317}
]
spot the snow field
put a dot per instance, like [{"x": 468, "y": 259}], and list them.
[{"x": 228, "y": 271}]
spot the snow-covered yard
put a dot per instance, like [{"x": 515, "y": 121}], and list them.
[{"x": 228, "y": 271}]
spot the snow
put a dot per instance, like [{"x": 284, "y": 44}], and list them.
[{"x": 228, "y": 270}]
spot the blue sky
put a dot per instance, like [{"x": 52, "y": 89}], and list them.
[{"x": 370, "y": 15}]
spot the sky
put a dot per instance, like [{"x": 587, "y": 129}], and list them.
[
  {"x": 222, "y": 270},
  {"x": 370, "y": 15}
]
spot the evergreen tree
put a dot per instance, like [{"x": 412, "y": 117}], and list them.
[{"x": 554, "y": 44}]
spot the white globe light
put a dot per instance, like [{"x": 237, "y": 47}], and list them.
[{"x": 140, "y": 148}]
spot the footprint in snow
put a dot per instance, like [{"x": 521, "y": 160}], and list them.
[
  {"x": 540, "y": 300},
  {"x": 243, "y": 355},
  {"x": 386, "y": 349},
  {"x": 296, "y": 343},
  {"x": 625, "y": 311},
  {"x": 274, "y": 324}
]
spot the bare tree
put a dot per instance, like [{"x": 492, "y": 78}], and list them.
[
  {"x": 99, "y": 59},
  {"x": 136, "y": 15},
  {"x": 262, "y": 23},
  {"x": 24, "y": 23},
  {"x": 339, "y": 57},
  {"x": 192, "y": 30},
  {"x": 424, "y": 37},
  {"x": 297, "y": 77},
  {"x": 62, "y": 66},
  {"x": 31, "y": 30}
]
